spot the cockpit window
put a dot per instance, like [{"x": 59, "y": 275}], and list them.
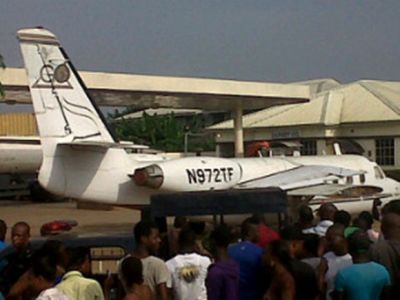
[
  {"x": 362, "y": 178},
  {"x": 379, "y": 174}
]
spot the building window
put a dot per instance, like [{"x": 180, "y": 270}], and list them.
[
  {"x": 384, "y": 151},
  {"x": 308, "y": 148}
]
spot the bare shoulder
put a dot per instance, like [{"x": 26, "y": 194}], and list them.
[
  {"x": 142, "y": 292},
  {"x": 146, "y": 292}
]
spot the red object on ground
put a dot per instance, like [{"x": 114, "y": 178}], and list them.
[{"x": 56, "y": 227}]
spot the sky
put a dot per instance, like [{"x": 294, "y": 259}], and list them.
[{"x": 264, "y": 40}]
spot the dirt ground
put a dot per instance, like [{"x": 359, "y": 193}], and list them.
[{"x": 89, "y": 220}]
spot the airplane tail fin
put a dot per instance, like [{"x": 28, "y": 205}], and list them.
[{"x": 64, "y": 110}]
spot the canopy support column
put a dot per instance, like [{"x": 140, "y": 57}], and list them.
[{"x": 238, "y": 124}]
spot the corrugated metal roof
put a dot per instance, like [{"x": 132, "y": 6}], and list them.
[
  {"x": 144, "y": 91},
  {"x": 357, "y": 102}
]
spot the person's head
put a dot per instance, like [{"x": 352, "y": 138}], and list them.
[
  {"x": 79, "y": 260},
  {"x": 3, "y": 230},
  {"x": 327, "y": 211},
  {"x": 249, "y": 230},
  {"x": 220, "y": 238},
  {"x": 334, "y": 230},
  {"x": 338, "y": 245},
  {"x": 311, "y": 245},
  {"x": 187, "y": 241},
  {"x": 56, "y": 250},
  {"x": 342, "y": 217},
  {"x": 44, "y": 271},
  {"x": 390, "y": 226},
  {"x": 390, "y": 220},
  {"x": 198, "y": 227},
  {"x": 147, "y": 234},
  {"x": 306, "y": 215},
  {"x": 278, "y": 252},
  {"x": 20, "y": 235},
  {"x": 365, "y": 220},
  {"x": 259, "y": 218},
  {"x": 391, "y": 207},
  {"x": 131, "y": 272},
  {"x": 359, "y": 244},
  {"x": 294, "y": 236},
  {"x": 180, "y": 222}
]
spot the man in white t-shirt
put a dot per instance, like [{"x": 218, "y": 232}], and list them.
[
  {"x": 332, "y": 262},
  {"x": 188, "y": 269}
]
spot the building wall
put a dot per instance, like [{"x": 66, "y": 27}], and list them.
[
  {"x": 364, "y": 134},
  {"x": 18, "y": 124}
]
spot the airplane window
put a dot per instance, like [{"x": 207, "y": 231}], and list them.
[
  {"x": 379, "y": 173},
  {"x": 362, "y": 178}
]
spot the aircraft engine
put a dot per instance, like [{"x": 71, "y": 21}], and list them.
[{"x": 190, "y": 174}]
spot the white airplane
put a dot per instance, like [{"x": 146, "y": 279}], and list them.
[
  {"x": 20, "y": 155},
  {"x": 82, "y": 160}
]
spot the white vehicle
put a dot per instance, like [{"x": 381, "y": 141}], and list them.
[{"x": 82, "y": 160}]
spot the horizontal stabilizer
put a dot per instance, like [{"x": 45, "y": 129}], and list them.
[{"x": 106, "y": 145}]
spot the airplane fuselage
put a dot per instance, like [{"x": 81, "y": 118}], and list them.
[{"x": 108, "y": 175}]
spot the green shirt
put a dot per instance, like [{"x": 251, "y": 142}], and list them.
[{"x": 75, "y": 286}]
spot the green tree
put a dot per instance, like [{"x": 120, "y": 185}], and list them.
[{"x": 166, "y": 132}]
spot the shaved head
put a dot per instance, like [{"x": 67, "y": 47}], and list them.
[
  {"x": 327, "y": 211},
  {"x": 338, "y": 244},
  {"x": 391, "y": 226},
  {"x": 20, "y": 235}
]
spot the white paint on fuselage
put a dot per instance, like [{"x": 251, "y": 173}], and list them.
[{"x": 19, "y": 158}]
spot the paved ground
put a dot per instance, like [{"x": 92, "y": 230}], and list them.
[{"x": 89, "y": 220}]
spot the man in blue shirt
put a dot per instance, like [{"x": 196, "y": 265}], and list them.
[
  {"x": 249, "y": 257},
  {"x": 364, "y": 280}
]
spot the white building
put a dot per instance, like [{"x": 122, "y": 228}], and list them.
[{"x": 362, "y": 116}]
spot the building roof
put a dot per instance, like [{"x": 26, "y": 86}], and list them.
[
  {"x": 144, "y": 91},
  {"x": 358, "y": 102}
]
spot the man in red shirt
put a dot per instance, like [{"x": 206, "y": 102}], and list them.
[{"x": 265, "y": 234}]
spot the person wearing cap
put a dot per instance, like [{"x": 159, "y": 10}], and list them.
[
  {"x": 326, "y": 214},
  {"x": 364, "y": 280}
]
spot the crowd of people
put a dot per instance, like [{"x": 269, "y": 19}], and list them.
[{"x": 332, "y": 257}]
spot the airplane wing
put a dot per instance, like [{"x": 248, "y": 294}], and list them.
[
  {"x": 301, "y": 176},
  {"x": 337, "y": 190}
]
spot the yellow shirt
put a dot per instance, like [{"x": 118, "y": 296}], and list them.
[{"x": 75, "y": 286}]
